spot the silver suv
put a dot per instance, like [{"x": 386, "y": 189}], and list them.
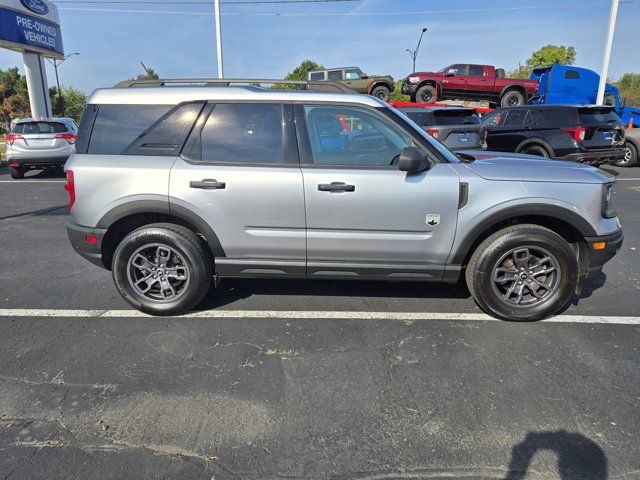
[
  {"x": 175, "y": 187},
  {"x": 40, "y": 144}
]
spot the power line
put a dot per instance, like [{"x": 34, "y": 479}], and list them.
[
  {"x": 333, "y": 14},
  {"x": 198, "y": 2}
]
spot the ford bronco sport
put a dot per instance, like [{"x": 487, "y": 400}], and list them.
[{"x": 173, "y": 188}]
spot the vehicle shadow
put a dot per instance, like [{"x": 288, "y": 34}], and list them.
[
  {"x": 590, "y": 287},
  {"x": 578, "y": 456},
  {"x": 232, "y": 290},
  {"x": 609, "y": 170}
]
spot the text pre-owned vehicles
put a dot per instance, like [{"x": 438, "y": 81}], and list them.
[
  {"x": 457, "y": 128},
  {"x": 173, "y": 188},
  {"x": 379, "y": 86},
  {"x": 39, "y": 144},
  {"x": 587, "y": 134},
  {"x": 469, "y": 82}
]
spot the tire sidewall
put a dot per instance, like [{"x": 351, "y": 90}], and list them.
[
  {"x": 381, "y": 89},
  {"x": 422, "y": 90},
  {"x": 504, "y": 102},
  {"x": 483, "y": 275},
  {"x": 16, "y": 173},
  {"x": 543, "y": 152},
  {"x": 634, "y": 156},
  {"x": 191, "y": 255}
]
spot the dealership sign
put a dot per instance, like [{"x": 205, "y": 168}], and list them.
[{"x": 31, "y": 26}]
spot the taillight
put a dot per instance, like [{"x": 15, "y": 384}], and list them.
[
  {"x": 433, "y": 132},
  {"x": 70, "y": 187},
  {"x": 577, "y": 133},
  {"x": 12, "y": 137},
  {"x": 69, "y": 137}
]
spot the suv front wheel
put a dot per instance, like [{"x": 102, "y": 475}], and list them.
[
  {"x": 162, "y": 269},
  {"x": 523, "y": 273}
]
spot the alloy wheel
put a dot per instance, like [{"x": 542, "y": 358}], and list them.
[{"x": 158, "y": 272}]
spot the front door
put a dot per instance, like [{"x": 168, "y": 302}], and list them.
[
  {"x": 365, "y": 218},
  {"x": 240, "y": 174}
]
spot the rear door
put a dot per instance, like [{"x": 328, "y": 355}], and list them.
[
  {"x": 239, "y": 172},
  {"x": 365, "y": 218},
  {"x": 479, "y": 82},
  {"x": 507, "y": 128}
]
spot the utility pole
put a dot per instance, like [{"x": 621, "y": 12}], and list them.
[
  {"x": 607, "y": 51},
  {"x": 216, "y": 7},
  {"x": 55, "y": 64},
  {"x": 414, "y": 53}
]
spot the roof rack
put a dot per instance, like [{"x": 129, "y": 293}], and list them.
[{"x": 315, "y": 85}]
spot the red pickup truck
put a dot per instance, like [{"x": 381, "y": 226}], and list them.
[{"x": 469, "y": 82}]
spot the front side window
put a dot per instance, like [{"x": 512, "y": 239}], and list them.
[
  {"x": 352, "y": 136},
  {"x": 335, "y": 75},
  {"x": 242, "y": 133},
  {"x": 457, "y": 69},
  {"x": 117, "y": 126},
  {"x": 352, "y": 74}
]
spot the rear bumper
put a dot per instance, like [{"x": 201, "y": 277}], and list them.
[
  {"x": 597, "y": 258},
  {"x": 595, "y": 157},
  {"x": 38, "y": 162},
  {"x": 78, "y": 237}
]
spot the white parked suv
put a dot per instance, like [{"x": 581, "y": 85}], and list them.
[
  {"x": 40, "y": 144},
  {"x": 174, "y": 187}
]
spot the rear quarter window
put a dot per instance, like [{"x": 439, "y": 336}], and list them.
[{"x": 557, "y": 117}]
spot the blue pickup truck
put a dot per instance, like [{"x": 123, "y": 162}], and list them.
[{"x": 563, "y": 84}]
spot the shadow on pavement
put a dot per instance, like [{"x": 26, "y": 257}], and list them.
[
  {"x": 578, "y": 456},
  {"x": 591, "y": 286},
  {"x": 232, "y": 290}
]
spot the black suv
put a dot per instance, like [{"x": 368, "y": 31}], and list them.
[
  {"x": 587, "y": 134},
  {"x": 457, "y": 127}
]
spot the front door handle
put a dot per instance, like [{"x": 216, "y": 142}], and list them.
[
  {"x": 207, "y": 184},
  {"x": 336, "y": 187}
]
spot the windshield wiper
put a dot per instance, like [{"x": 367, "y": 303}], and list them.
[{"x": 465, "y": 157}]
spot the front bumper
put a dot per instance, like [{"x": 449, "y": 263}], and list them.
[
  {"x": 408, "y": 88},
  {"x": 595, "y": 157},
  {"x": 78, "y": 237},
  {"x": 600, "y": 254}
]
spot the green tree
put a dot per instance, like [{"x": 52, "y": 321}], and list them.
[
  {"x": 14, "y": 97},
  {"x": 149, "y": 75},
  {"x": 544, "y": 57},
  {"x": 397, "y": 95},
  {"x": 299, "y": 73},
  {"x": 629, "y": 85},
  {"x": 71, "y": 104}
]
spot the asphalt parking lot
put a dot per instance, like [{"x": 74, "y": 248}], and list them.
[{"x": 292, "y": 379}]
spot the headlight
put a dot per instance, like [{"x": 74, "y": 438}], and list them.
[
  {"x": 414, "y": 79},
  {"x": 607, "y": 200}
]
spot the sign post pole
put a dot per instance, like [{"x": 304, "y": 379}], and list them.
[
  {"x": 607, "y": 52},
  {"x": 216, "y": 8},
  {"x": 37, "y": 85}
]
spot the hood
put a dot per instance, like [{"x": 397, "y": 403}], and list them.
[
  {"x": 530, "y": 168},
  {"x": 428, "y": 74}
]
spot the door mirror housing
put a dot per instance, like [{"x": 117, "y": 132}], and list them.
[
  {"x": 450, "y": 73},
  {"x": 413, "y": 160},
  {"x": 364, "y": 76}
]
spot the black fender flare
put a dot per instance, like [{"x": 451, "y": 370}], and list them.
[
  {"x": 162, "y": 207},
  {"x": 435, "y": 83},
  {"x": 379, "y": 83},
  {"x": 460, "y": 252},
  {"x": 538, "y": 141}
]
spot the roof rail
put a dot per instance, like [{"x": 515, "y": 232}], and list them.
[{"x": 315, "y": 85}]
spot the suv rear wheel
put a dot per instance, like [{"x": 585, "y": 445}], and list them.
[
  {"x": 162, "y": 269},
  {"x": 16, "y": 172},
  {"x": 630, "y": 156},
  {"x": 535, "y": 149},
  {"x": 382, "y": 92},
  {"x": 523, "y": 273}
]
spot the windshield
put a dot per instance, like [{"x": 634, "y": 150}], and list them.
[
  {"x": 592, "y": 116},
  {"x": 455, "y": 117},
  {"x": 39, "y": 127},
  {"x": 418, "y": 131}
]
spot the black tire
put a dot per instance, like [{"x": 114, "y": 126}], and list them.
[
  {"x": 483, "y": 273},
  {"x": 16, "y": 173},
  {"x": 536, "y": 149},
  {"x": 182, "y": 242},
  {"x": 382, "y": 92},
  {"x": 426, "y": 94},
  {"x": 630, "y": 158},
  {"x": 412, "y": 98},
  {"x": 512, "y": 98}
]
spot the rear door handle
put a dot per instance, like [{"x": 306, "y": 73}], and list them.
[
  {"x": 336, "y": 187},
  {"x": 207, "y": 184}
]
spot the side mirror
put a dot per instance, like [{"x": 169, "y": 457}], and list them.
[
  {"x": 450, "y": 73},
  {"x": 413, "y": 160},
  {"x": 364, "y": 76}
]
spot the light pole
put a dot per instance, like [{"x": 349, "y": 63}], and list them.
[
  {"x": 607, "y": 52},
  {"x": 414, "y": 53},
  {"x": 216, "y": 8},
  {"x": 55, "y": 64}
]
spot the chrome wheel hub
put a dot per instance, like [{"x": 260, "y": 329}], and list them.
[{"x": 158, "y": 272}]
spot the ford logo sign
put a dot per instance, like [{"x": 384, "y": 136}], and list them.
[{"x": 36, "y": 6}]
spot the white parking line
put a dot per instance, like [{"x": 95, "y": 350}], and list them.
[
  {"x": 310, "y": 315},
  {"x": 627, "y": 179}
]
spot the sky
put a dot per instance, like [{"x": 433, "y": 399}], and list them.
[{"x": 269, "y": 40}]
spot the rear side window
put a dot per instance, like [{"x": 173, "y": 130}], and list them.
[
  {"x": 476, "y": 70},
  {"x": 241, "y": 133},
  {"x": 27, "y": 128},
  {"x": 558, "y": 117},
  {"x": 117, "y": 126},
  {"x": 455, "y": 117},
  {"x": 316, "y": 76},
  {"x": 335, "y": 75},
  {"x": 516, "y": 118}
]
